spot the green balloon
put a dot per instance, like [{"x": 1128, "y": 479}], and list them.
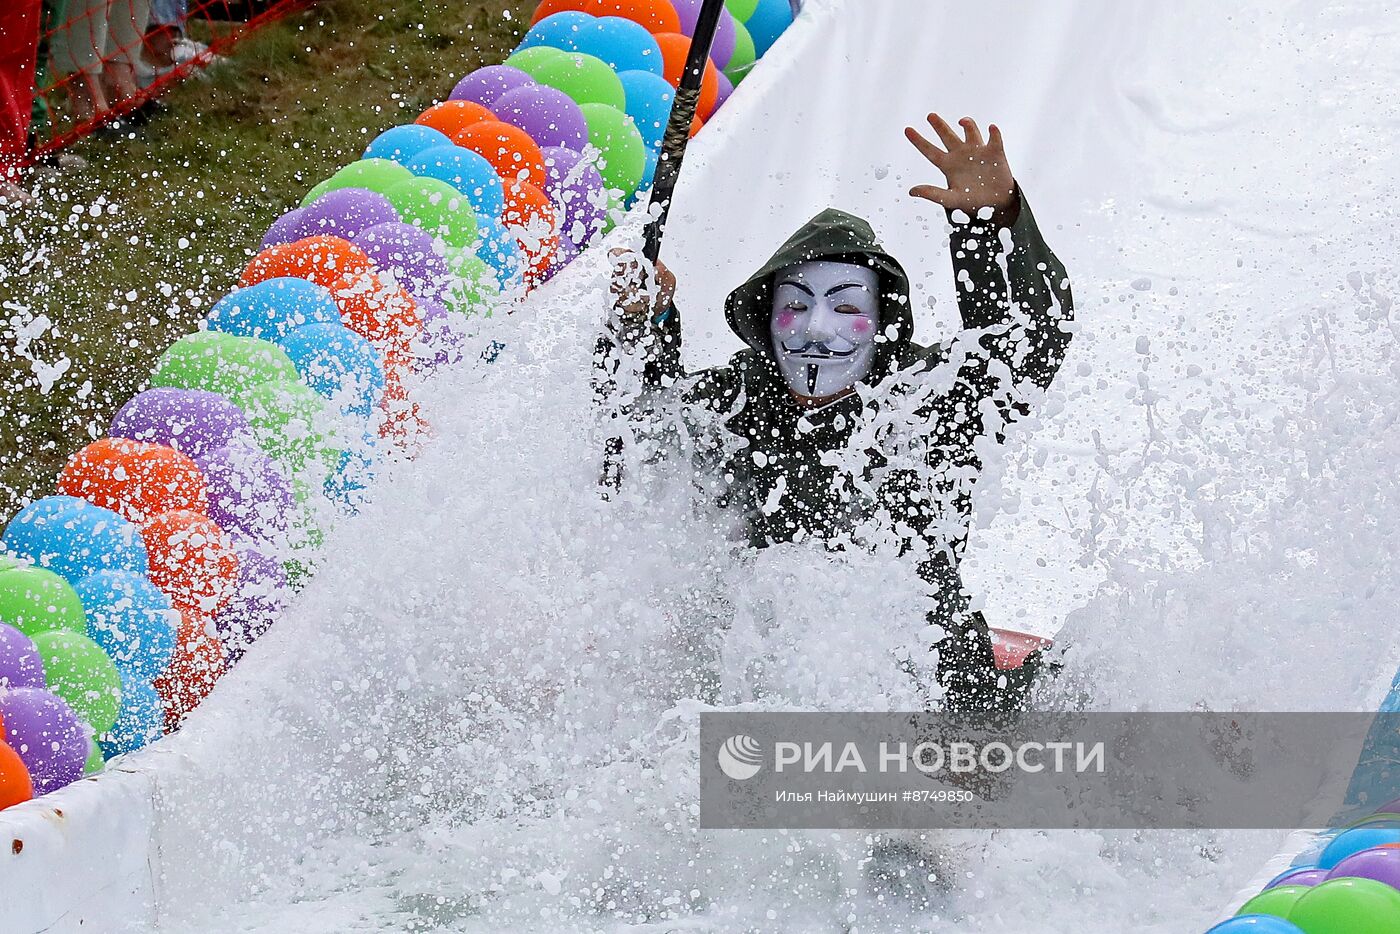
[
  {"x": 375, "y": 174},
  {"x": 624, "y": 154},
  {"x": 474, "y": 285},
  {"x": 221, "y": 363},
  {"x": 6, "y": 562},
  {"x": 436, "y": 208},
  {"x": 34, "y": 600},
  {"x": 741, "y": 10},
  {"x": 741, "y": 62},
  {"x": 534, "y": 58},
  {"x": 1347, "y": 906},
  {"x": 285, "y": 416},
  {"x": 1277, "y": 901},
  {"x": 82, "y": 674},
  {"x": 95, "y": 762},
  {"x": 586, "y": 79}
]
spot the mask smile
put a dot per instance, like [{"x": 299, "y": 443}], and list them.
[{"x": 818, "y": 351}]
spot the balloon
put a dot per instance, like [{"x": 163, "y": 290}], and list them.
[
  {"x": 286, "y": 228},
  {"x": 474, "y": 287},
  {"x": 767, "y": 23},
  {"x": 486, "y": 84},
  {"x": 248, "y": 493},
  {"x": 528, "y": 61},
  {"x": 558, "y": 30},
  {"x": 1298, "y": 875},
  {"x": 134, "y": 479},
  {"x": 339, "y": 364},
  {"x": 74, "y": 538},
  {"x": 1379, "y": 863},
  {"x": 47, "y": 735},
  {"x": 34, "y": 600},
  {"x": 467, "y": 171},
  {"x": 529, "y": 217},
  {"x": 1277, "y": 901},
  {"x": 741, "y": 9},
  {"x": 742, "y": 61},
  {"x": 192, "y": 421},
  {"x": 499, "y": 250},
  {"x": 402, "y": 143},
  {"x": 20, "y": 663},
  {"x": 623, "y": 44},
  {"x": 410, "y": 255},
  {"x": 345, "y": 212},
  {"x": 287, "y": 418},
  {"x": 383, "y": 314},
  {"x": 726, "y": 88},
  {"x": 674, "y": 49},
  {"x": 656, "y": 15},
  {"x": 15, "y": 784},
  {"x": 649, "y": 170},
  {"x": 549, "y": 115},
  {"x": 1256, "y": 924},
  {"x": 649, "y": 100},
  {"x": 548, "y": 8},
  {"x": 261, "y": 596},
  {"x": 509, "y": 149},
  {"x": 192, "y": 673},
  {"x": 1354, "y": 841},
  {"x": 436, "y": 208},
  {"x": 723, "y": 46},
  {"x": 321, "y": 259},
  {"x": 623, "y": 153},
  {"x": 347, "y": 483},
  {"x": 192, "y": 560},
  {"x": 220, "y": 363},
  {"x": 586, "y": 79},
  {"x": 440, "y": 344},
  {"x": 1348, "y": 906},
  {"x": 272, "y": 308},
  {"x": 375, "y": 174},
  {"x": 129, "y": 619},
  {"x": 577, "y": 186},
  {"x": 453, "y": 116},
  {"x": 141, "y": 719},
  {"x": 82, "y": 674}
]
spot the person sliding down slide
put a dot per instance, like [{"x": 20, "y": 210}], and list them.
[{"x": 830, "y": 310}]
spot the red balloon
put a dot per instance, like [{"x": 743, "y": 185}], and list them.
[
  {"x": 509, "y": 149},
  {"x": 657, "y": 16},
  {"x": 674, "y": 49},
  {"x": 530, "y": 218},
  {"x": 321, "y": 260},
  {"x": 191, "y": 560},
  {"x": 193, "y": 670},
  {"x": 450, "y": 117},
  {"x": 135, "y": 479},
  {"x": 550, "y": 7},
  {"x": 15, "y": 785},
  {"x": 386, "y": 316}
]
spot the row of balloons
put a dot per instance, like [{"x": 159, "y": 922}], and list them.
[{"x": 175, "y": 541}]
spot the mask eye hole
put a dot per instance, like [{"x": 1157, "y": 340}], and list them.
[
  {"x": 848, "y": 310},
  {"x": 796, "y": 305}
]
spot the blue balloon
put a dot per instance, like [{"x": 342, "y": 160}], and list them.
[
  {"x": 339, "y": 364},
  {"x": 557, "y": 31},
  {"x": 649, "y": 100},
  {"x": 140, "y": 720},
  {"x": 623, "y": 44},
  {"x": 347, "y": 483},
  {"x": 403, "y": 143},
  {"x": 1256, "y": 924},
  {"x": 498, "y": 249},
  {"x": 273, "y": 308},
  {"x": 648, "y": 175},
  {"x": 74, "y": 538},
  {"x": 131, "y": 620},
  {"x": 1354, "y": 841},
  {"x": 767, "y": 23},
  {"x": 466, "y": 171}
]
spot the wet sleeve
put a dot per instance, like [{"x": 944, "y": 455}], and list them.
[{"x": 653, "y": 348}]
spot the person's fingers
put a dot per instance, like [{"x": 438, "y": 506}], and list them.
[
  {"x": 930, "y": 151},
  {"x": 971, "y": 131},
  {"x": 994, "y": 139},
  {"x": 938, "y": 196},
  {"x": 945, "y": 132}
]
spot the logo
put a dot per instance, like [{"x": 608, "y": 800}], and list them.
[{"x": 740, "y": 757}]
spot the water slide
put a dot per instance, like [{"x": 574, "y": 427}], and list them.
[{"x": 478, "y": 715}]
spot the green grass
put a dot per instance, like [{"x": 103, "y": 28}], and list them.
[{"x": 125, "y": 256}]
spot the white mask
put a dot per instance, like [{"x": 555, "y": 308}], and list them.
[{"x": 825, "y": 319}]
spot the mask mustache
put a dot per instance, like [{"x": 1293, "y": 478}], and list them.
[{"x": 817, "y": 349}]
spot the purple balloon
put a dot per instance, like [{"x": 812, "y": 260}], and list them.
[
  {"x": 286, "y": 229},
  {"x": 1301, "y": 876},
  {"x": 408, "y": 253},
  {"x": 21, "y": 666},
  {"x": 576, "y": 185},
  {"x": 347, "y": 211},
  {"x": 440, "y": 344},
  {"x": 726, "y": 36},
  {"x": 1381, "y": 863},
  {"x": 48, "y": 736},
  {"x": 726, "y": 88},
  {"x": 260, "y": 597},
  {"x": 192, "y": 421},
  {"x": 248, "y": 494},
  {"x": 486, "y": 84},
  {"x": 549, "y": 115}
]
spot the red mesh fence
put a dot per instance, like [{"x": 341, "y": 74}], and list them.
[{"x": 100, "y": 60}]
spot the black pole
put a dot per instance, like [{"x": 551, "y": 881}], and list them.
[{"x": 668, "y": 170}]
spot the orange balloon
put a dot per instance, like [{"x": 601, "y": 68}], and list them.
[
  {"x": 193, "y": 669},
  {"x": 509, "y": 149},
  {"x": 386, "y": 316},
  {"x": 321, "y": 260},
  {"x": 696, "y": 126},
  {"x": 191, "y": 560},
  {"x": 550, "y": 7},
  {"x": 530, "y": 218},
  {"x": 674, "y": 49},
  {"x": 449, "y": 117},
  {"x": 15, "y": 785},
  {"x": 403, "y": 422},
  {"x": 135, "y": 479},
  {"x": 657, "y": 16}
]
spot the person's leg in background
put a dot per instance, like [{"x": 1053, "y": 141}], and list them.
[
  {"x": 167, "y": 29},
  {"x": 76, "y": 44},
  {"x": 126, "y": 30},
  {"x": 19, "y": 44}
]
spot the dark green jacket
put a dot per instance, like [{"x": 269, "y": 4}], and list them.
[{"x": 1014, "y": 306}]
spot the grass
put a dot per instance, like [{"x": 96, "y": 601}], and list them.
[{"x": 120, "y": 259}]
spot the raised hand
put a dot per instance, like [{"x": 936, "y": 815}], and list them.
[
  {"x": 976, "y": 171},
  {"x": 634, "y": 290}
]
